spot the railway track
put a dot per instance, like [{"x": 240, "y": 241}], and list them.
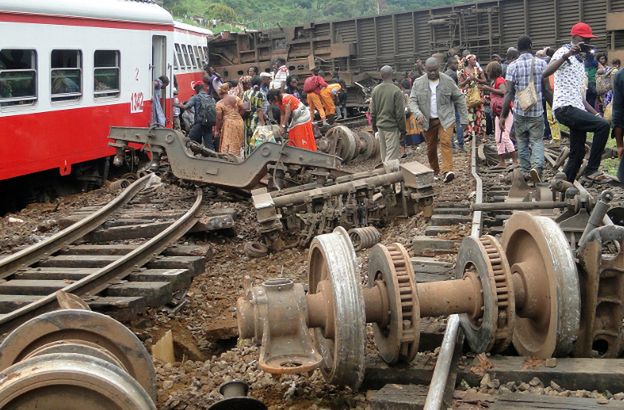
[
  {"x": 545, "y": 289},
  {"x": 119, "y": 258},
  {"x": 492, "y": 188}
]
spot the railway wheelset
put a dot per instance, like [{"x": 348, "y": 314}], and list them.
[{"x": 522, "y": 290}]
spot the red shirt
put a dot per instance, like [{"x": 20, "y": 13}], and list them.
[
  {"x": 288, "y": 99},
  {"x": 497, "y": 84},
  {"x": 314, "y": 83}
]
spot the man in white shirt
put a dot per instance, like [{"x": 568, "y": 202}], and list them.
[
  {"x": 572, "y": 110},
  {"x": 433, "y": 100}
]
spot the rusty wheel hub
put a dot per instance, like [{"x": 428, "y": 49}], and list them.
[
  {"x": 546, "y": 286},
  {"x": 491, "y": 328},
  {"x": 396, "y": 334}
]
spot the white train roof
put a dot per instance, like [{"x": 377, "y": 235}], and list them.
[
  {"x": 116, "y": 10},
  {"x": 190, "y": 27}
]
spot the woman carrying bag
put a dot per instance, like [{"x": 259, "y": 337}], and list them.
[{"x": 470, "y": 77}]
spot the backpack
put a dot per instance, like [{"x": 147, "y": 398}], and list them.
[
  {"x": 206, "y": 114},
  {"x": 310, "y": 84}
]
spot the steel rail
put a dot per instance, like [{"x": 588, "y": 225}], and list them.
[
  {"x": 100, "y": 279},
  {"x": 606, "y": 220},
  {"x": 56, "y": 242},
  {"x": 439, "y": 379}
]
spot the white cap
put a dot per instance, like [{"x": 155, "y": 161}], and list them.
[{"x": 265, "y": 75}]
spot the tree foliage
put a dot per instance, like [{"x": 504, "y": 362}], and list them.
[{"x": 270, "y": 13}]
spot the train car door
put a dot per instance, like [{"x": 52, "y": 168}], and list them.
[{"x": 159, "y": 67}]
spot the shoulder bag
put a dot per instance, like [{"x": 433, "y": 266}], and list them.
[
  {"x": 527, "y": 98},
  {"x": 473, "y": 97}
]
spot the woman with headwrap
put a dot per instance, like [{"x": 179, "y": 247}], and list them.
[
  {"x": 470, "y": 77},
  {"x": 230, "y": 127},
  {"x": 295, "y": 119},
  {"x": 240, "y": 89}
]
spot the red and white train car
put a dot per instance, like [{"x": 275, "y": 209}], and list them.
[
  {"x": 71, "y": 69},
  {"x": 190, "y": 55}
]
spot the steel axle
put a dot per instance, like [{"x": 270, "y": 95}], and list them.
[{"x": 525, "y": 290}]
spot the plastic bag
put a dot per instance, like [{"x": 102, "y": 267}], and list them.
[{"x": 262, "y": 134}]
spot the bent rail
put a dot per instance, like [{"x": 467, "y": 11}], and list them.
[
  {"x": 114, "y": 271},
  {"x": 68, "y": 235}
]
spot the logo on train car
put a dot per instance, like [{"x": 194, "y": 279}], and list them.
[{"x": 136, "y": 102}]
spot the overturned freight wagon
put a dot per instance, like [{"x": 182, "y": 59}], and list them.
[{"x": 358, "y": 47}]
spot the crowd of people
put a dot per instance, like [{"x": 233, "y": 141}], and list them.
[
  {"x": 450, "y": 98},
  {"x": 234, "y": 117},
  {"x": 521, "y": 100}
]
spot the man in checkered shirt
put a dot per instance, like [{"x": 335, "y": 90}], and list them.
[
  {"x": 529, "y": 124},
  {"x": 572, "y": 110}
]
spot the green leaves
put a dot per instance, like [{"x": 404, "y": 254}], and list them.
[{"x": 262, "y": 14}]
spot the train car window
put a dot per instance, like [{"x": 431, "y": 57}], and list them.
[
  {"x": 186, "y": 57},
  {"x": 176, "y": 66},
  {"x": 202, "y": 56},
  {"x": 206, "y": 55},
  {"x": 192, "y": 56},
  {"x": 106, "y": 73},
  {"x": 198, "y": 56},
  {"x": 18, "y": 77},
  {"x": 180, "y": 58},
  {"x": 66, "y": 75}
]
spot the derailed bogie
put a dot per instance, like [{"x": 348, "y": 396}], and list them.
[{"x": 523, "y": 290}]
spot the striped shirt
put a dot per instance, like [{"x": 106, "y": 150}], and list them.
[{"x": 519, "y": 72}]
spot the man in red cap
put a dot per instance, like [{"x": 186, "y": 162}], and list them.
[{"x": 571, "y": 108}]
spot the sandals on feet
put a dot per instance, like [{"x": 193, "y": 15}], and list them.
[{"x": 598, "y": 177}]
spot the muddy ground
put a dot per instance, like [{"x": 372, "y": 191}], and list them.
[
  {"x": 212, "y": 298},
  {"x": 204, "y": 327},
  {"x": 203, "y": 323}
]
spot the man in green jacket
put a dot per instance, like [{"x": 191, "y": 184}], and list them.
[
  {"x": 387, "y": 109},
  {"x": 433, "y": 100}
]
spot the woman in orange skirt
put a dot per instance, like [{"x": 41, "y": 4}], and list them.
[
  {"x": 230, "y": 126},
  {"x": 295, "y": 119}
]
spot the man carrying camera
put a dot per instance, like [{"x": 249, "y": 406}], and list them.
[{"x": 571, "y": 108}]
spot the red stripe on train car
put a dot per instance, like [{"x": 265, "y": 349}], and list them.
[
  {"x": 80, "y": 21},
  {"x": 184, "y": 80},
  {"x": 43, "y": 141}
]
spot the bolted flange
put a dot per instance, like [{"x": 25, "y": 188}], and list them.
[
  {"x": 492, "y": 328},
  {"x": 397, "y": 335}
]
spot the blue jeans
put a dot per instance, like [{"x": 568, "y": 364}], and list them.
[
  {"x": 460, "y": 132},
  {"x": 530, "y": 141},
  {"x": 202, "y": 134}
]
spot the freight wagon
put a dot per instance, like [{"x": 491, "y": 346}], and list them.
[{"x": 358, "y": 47}]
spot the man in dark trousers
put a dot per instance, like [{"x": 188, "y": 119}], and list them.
[
  {"x": 204, "y": 107},
  {"x": 528, "y": 122},
  {"x": 572, "y": 110},
  {"x": 387, "y": 109}
]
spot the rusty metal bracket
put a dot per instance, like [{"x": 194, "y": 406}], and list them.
[
  {"x": 219, "y": 171},
  {"x": 351, "y": 201},
  {"x": 274, "y": 316},
  {"x": 602, "y": 288}
]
